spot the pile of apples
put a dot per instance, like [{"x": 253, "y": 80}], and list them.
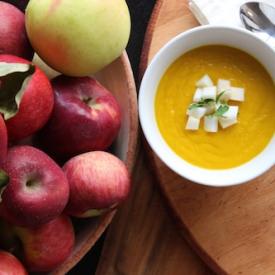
[{"x": 55, "y": 134}]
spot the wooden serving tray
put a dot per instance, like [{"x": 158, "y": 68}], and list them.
[{"x": 232, "y": 229}]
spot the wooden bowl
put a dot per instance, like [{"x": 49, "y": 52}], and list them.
[{"x": 118, "y": 78}]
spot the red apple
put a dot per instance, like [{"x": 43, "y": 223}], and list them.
[
  {"x": 34, "y": 100},
  {"x": 9, "y": 265},
  {"x": 13, "y": 37},
  {"x": 46, "y": 247},
  {"x": 98, "y": 181},
  {"x": 3, "y": 140},
  {"x": 43, "y": 248},
  {"x": 86, "y": 117},
  {"x": 37, "y": 191}
]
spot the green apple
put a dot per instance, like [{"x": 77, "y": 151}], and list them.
[{"x": 78, "y": 38}]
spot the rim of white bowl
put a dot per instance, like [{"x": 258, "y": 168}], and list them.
[{"x": 210, "y": 177}]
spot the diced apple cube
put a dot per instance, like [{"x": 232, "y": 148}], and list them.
[
  {"x": 198, "y": 112},
  {"x": 225, "y": 122},
  {"x": 237, "y": 94},
  {"x": 192, "y": 123},
  {"x": 232, "y": 112},
  {"x": 211, "y": 124},
  {"x": 230, "y": 117},
  {"x": 226, "y": 95},
  {"x": 205, "y": 81},
  {"x": 209, "y": 92},
  {"x": 223, "y": 85},
  {"x": 198, "y": 95}
]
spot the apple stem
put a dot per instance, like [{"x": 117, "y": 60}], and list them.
[{"x": 87, "y": 100}]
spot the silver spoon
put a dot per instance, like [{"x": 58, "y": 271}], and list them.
[{"x": 259, "y": 18}]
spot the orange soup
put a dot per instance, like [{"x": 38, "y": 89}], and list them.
[{"x": 228, "y": 147}]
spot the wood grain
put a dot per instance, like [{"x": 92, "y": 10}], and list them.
[{"x": 231, "y": 228}]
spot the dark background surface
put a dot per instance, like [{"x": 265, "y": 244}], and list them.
[{"x": 140, "y": 11}]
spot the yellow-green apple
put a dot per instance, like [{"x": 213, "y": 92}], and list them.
[
  {"x": 40, "y": 249},
  {"x": 13, "y": 37},
  {"x": 98, "y": 182},
  {"x": 9, "y": 265},
  {"x": 86, "y": 117},
  {"x": 26, "y": 96},
  {"x": 82, "y": 36},
  {"x": 37, "y": 191}
]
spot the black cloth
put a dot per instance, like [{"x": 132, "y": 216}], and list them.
[{"x": 140, "y": 11}]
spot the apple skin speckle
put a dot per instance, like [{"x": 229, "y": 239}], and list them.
[
  {"x": 38, "y": 203},
  {"x": 98, "y": 180}
]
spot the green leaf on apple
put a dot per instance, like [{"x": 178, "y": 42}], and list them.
[
  {"x": 14, "y": 78},
  {"x": 4, "y": 180}
]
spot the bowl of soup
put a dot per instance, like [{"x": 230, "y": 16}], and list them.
[{"x": 228, "y": 155}]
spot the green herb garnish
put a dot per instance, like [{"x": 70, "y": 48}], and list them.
[
  {"x": 194, "y": 106},
  {"x": 221, "y": 110},
  {"x": 220, "y": 95},
  {"x": 207, "y": 101},
  {"x": 201, "y": 103}
]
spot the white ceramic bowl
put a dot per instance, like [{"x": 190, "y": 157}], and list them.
[{"x": 201, "y": 36}]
